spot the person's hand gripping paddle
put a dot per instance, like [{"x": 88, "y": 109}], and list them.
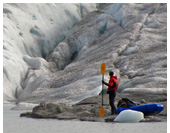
[{"x": 103, "y": 68}]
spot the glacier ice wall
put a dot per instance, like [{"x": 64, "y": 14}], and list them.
[
  {"x": 130, "y": 38},
  {"x": 30, "y": 32}
]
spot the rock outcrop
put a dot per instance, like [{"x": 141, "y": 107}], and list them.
[{"x": 88, "y": 109}]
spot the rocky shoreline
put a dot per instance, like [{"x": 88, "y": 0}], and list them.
[{"x": 88, "y": 109}]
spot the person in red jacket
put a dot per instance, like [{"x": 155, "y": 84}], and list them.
[{"x": 111, "y": 90}]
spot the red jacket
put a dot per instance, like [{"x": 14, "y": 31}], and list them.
[{"x": 111, "y": 83}]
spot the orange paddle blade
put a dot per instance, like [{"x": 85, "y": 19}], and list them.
[
  {"x": 103, "y": 68},
  {"x": 101, "y": 112}
]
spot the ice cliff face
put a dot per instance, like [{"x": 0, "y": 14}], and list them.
[
  {"x": 30, "y": 32},
  {"x": 53, "y": 52}
]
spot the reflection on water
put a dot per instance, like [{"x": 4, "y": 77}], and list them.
[{"x": 12, "y": 123}]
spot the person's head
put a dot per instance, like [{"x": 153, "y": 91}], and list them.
[{"x": 111, "y": 73}]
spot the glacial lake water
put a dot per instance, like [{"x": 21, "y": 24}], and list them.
[{"x": 13, "y": 123}]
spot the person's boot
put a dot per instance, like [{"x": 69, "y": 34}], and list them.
[{"x": 113, "y": 110}]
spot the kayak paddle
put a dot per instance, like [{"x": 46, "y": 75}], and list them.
[{"x": 103, "y": 68}]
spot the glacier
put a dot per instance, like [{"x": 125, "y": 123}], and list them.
[
  {"x": 53, "y": 52},
  {"x": 30, "y": 32}
]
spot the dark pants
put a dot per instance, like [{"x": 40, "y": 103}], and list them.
[{"x": 112, "y": 95}]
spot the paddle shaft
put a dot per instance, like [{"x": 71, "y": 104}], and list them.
[{"x": 102, "y": 88}]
